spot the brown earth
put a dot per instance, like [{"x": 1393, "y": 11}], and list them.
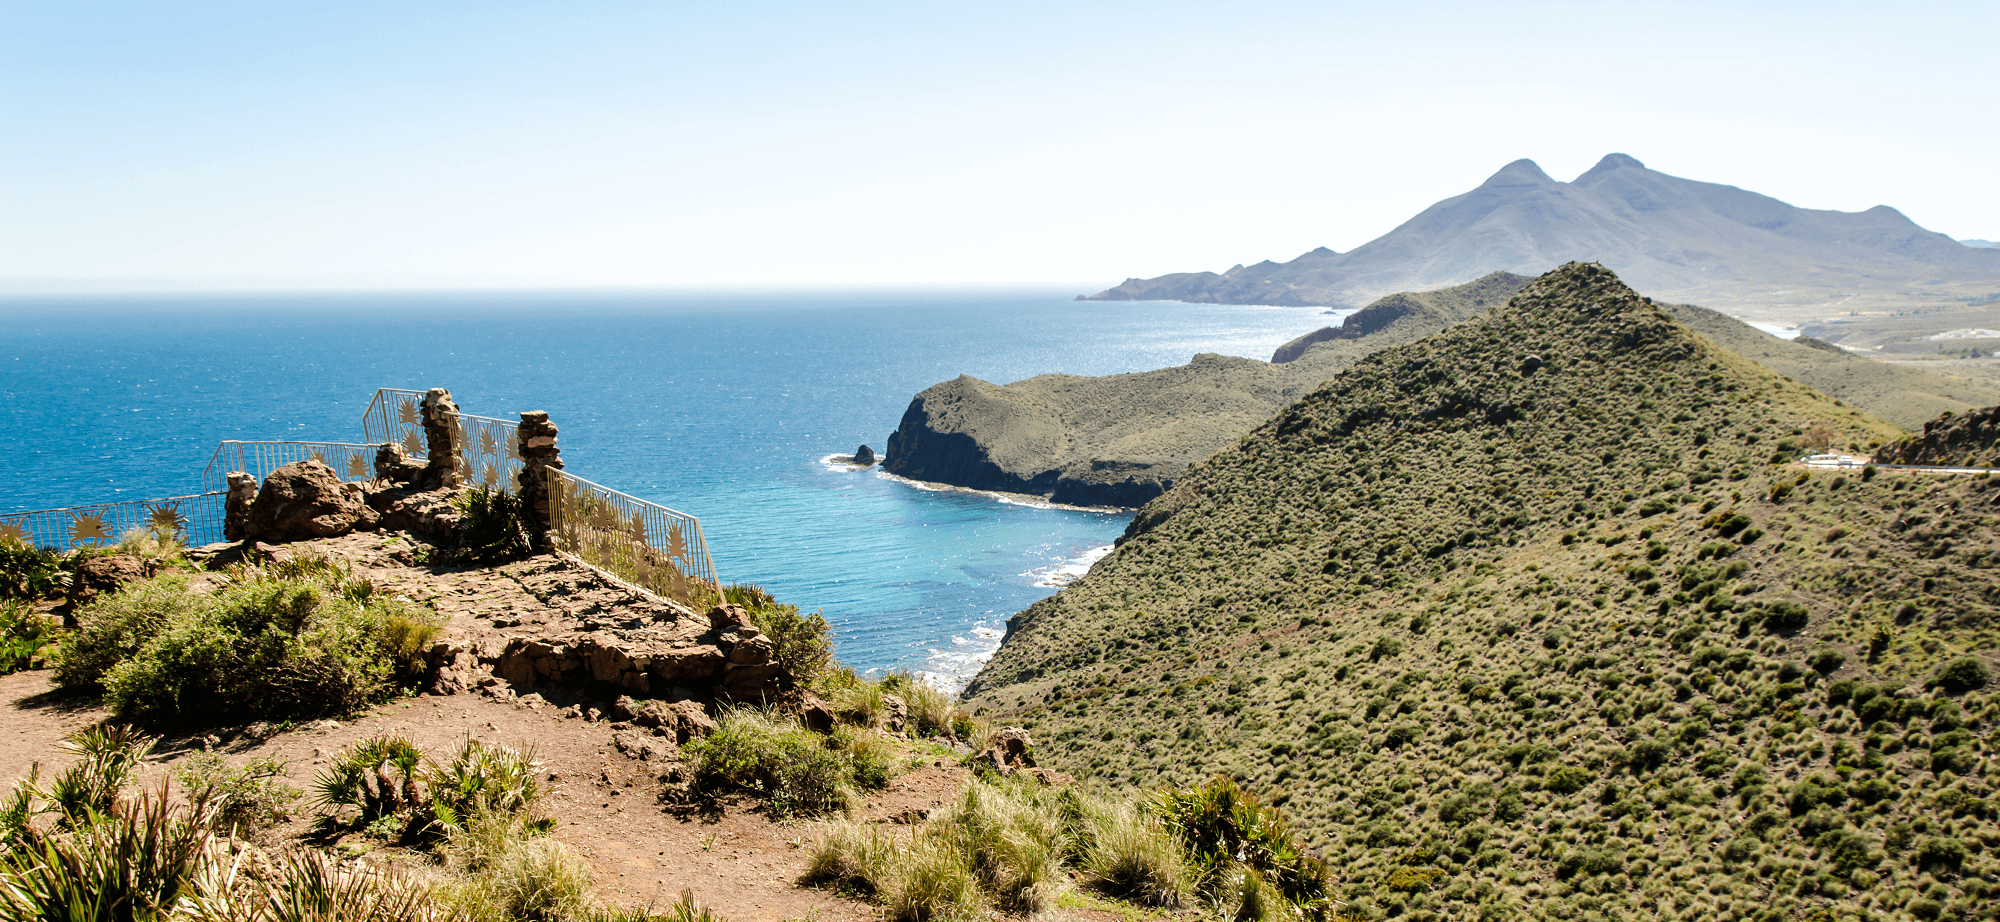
[{"x": 607, "y": 804}]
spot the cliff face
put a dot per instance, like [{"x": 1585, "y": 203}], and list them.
[{"x": 1969, "y": 439}]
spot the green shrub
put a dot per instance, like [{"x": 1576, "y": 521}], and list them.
[
  {"x": 247, "y": 799},
  {"x": 776, "y": 758},
  {"x": 23, "y": 635},
  {"x": 31, "y": 574},
  {"x": 493, "y": 528},
  {"x": 1567, "y": 779},
  {"x": 1013, "y": 846},
  {"x": 482, "y": 778},
  {"x": 1967, "y": 673},
  {"x": 293, "y": 640},
  {"x": 1223, "y": 825},
  {"x": 378, "y": 776}
]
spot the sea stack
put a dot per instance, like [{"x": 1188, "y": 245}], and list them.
[{"x": 865, "y": 456}]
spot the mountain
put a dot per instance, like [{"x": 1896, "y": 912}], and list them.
[
  {"x": 1662, "y": 234},
  {"x": 1980, "y": 244},
  {"x": 1121, "y": 440},
  {"x": 1532, "y": 619}
]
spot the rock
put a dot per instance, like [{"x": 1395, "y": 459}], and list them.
[
  {"x": 865, "y": 456},
  {"x": 752, "y": 651},
  {"x": 732, "y": 619},
  {"x": 895, "y": 713},
  {"x": 816, "y": 715},
  {"x": 305, "y": 499},
  {"x": 96, "y": 576},
  {"x": 683, "y": 720},
  {"x": 645, "y": 748},
  {"x": 441, "y": 438},
  {"x": 1007, "y": 751},
  {"x": 537, "y": 446},
  {"x": 236, "y": 506},
  {"x": 394, "y": 465}
]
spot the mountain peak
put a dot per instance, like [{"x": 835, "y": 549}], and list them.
[
  {"x": 1522, "y": 172},
  {"x": 1609, "y": 163}
]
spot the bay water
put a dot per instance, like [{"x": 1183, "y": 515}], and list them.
[{"x": 724, "y": 405}]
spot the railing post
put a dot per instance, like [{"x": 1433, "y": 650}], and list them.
[
  {"x": 441, "y": 436},
  {"x": 537, "y": 446},
  {"x": 236, "y": 507}
]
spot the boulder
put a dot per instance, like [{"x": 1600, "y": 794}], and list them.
[
  {"x": 645, "y": 747},
  {"x": 305, "y": 499},
  {"x": 816, "y": 714},
  {"x": 96, "y": 576},
  {"x": 682, "y": 720},
  {"x": 895, "y": 714},
  {"x": 865, "y": 456},
  {"x": 394, "y": 465}
]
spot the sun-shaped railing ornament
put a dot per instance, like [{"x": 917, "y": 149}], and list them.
[
  {"x": 85, "y": 528},
  {"x": 167, "y": 517},
  {"x": 357, "y": 468},
  {"x": 406, "y": 413},
  {"x": 413, "y": 442},
  {"x": 13, "y": 531}
]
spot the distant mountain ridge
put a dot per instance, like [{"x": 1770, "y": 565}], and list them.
[{"x": 1661, "y": 233}]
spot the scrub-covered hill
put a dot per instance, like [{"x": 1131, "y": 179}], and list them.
[{"x": 1532, "y": 619}]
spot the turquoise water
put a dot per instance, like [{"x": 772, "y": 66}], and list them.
[{"x": 722, "y": 405}]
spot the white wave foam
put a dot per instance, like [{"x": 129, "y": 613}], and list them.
[
  {"x": 951, "y": 667},
  {"x": 1069, "y": 571},
  {"x": 1011, "y": 499},
  {"x": 844, "y": 463}
]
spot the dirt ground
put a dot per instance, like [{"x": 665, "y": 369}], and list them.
[
  {"x": 641, "y": 852},
  {"x": 606, "y": 803}
]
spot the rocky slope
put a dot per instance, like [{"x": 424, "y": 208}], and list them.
[
  {"x": 1663, "y": 234},
  {"x": 1530, "y": 619},
  {"x": 1970, "y": 440}
]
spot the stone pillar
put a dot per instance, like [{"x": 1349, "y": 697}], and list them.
[
  {"x": 236, "y": 506},
  {"x": 441, "y": 436},
  {"x": 538, "y": 454},
  {"x": 394, "y": 466}
]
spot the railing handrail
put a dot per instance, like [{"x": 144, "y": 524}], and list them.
[
  {"x": 621, "y": 494},
  {"x": 219, "y": 466},
  {"x": 201, "y": 520},
  {"x": 579, "y": 532},
  {"x": 116, "y": 502}
]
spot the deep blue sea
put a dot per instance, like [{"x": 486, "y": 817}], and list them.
[{"x": 721, "y": 405}]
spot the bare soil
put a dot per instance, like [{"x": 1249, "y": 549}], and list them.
[{"x": 607, "y": 804}]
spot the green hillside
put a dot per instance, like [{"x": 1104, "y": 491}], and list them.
[{"x": 1531, "y": 619}]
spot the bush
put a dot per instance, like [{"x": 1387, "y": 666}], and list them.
[
  {"x": 931, "y": 710},
  {"x": 934, "y": 881},
  {"x": 803, "y": 642},
  {"x": 23, "y": 636},
  {"x": 378, "y": 776},
  {"x": 31, "y": 574},
  {"x": 1967, "y": 673},
  {"x": 492, "y": 530},
  {"x": 786, "y": 763},
  {"x": 1223, "y": 826},
  {"x": 247, "y": 799},
  {"x": 483, "y": 778},
  {"x": 294, "y": 640}
]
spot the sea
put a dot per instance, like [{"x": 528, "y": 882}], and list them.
[{"x": 727, "y": 405}]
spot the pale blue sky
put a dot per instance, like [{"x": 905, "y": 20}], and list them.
[{"x": 400, "y": 144}]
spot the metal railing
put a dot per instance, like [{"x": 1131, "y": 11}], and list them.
[
  {"x": 643, "y": 543},
  {"x": 491, "y": 457},
  {"x": 393, "y": 416},
  {"x": 354, "y": 462},
  {"x": 492, "y": 454},
  {"x": 197, "y": 519}
]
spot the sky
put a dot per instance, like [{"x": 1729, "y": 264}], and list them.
[{"x": 336, "y": 145}]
